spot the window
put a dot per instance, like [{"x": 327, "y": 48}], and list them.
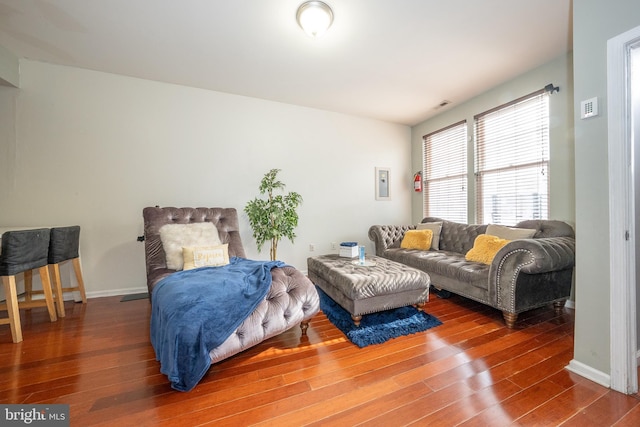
[
  {"x": 445, "y": 173},
  {"x": 512, "y": 161}
]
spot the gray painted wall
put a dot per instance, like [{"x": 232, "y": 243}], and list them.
[
  {"x": 595, "y": 22},
  {"x": 9, "y": 68},
  {"x": 635, "y": 97},
  {"x": 558, "y": 72}
]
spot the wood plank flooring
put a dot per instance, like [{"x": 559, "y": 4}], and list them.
[{"x": 470, "y": 371}]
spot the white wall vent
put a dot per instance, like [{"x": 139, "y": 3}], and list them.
[{"x": 589, "y": 108}]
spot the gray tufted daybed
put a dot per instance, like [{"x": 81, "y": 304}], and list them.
[
  {"x": 525, "y": 274},
  {"x": 291, "y": 299}
]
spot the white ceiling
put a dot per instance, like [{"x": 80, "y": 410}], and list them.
[{"x": 393, "y": 60}]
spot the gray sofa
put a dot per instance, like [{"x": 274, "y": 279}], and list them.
[
  {"x": 292, "y": 298},
  {"x": 525, "y": 274}
]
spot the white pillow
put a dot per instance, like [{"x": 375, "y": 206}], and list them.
[
  {"x": 436, "y": 227},
  {"x": 176, "y": 236},
  {"x": 205, "y": 256},
  {"x": 510, "y": 233}
]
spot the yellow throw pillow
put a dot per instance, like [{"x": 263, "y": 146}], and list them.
[
  {"x": 205, "y": 256},
  {"x": 485, "y": 248},
  {"x": 417, "y": 239}
]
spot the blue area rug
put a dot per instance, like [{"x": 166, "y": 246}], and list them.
[{"x": 376, "y": 328}]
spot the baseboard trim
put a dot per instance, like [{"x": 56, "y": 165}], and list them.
[
  {"x": 75, "y": 295},
  {"x": 589, "y": 373},
  {"x": 117, "y": 292},
  {"x": 570, "y": 304}
]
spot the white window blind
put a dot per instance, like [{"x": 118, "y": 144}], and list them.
[
  {"x": 512, "y": 161},
  {"x": 445, "y": 173}
]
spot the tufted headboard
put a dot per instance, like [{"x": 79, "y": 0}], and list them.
[{"x": 225, "y": 220}]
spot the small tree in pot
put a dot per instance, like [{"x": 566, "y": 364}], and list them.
[{"x": 275, "y": 217}]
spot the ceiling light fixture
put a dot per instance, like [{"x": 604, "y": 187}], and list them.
[{"x": 314, "y": 17}]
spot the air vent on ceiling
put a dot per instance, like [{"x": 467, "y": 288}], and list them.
[{"x": 442, "y": 104}]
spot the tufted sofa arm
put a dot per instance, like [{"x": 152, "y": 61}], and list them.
[
  {"x": 540, "y": 255},
  {"x": 290, "y": 301},
  {"x": 527, "y": 256},
  {"x": 387, "y": 236}
]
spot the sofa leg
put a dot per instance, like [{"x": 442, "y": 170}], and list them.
[
  {"x": 558, "y": 306},
  {"x": 510, "y": 319},
  {"x": 304, "y": 326}
]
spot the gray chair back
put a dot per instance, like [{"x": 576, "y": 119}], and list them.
[
  {"x": 64, "y": 244},
  {"x": 24, "y": 250}
]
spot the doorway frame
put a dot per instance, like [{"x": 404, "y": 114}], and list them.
[{"x": 622, "y": 233}]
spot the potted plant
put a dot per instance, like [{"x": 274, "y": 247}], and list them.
[{"x": 275, "y": 217}]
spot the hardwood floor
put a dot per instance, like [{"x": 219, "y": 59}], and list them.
[{"x": 470, "y": 371}]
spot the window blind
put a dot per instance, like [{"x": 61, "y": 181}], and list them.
[
  {"x": 445, "y": 173},
  {"x": 512, "y": 161}
]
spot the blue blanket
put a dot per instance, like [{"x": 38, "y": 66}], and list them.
[{"x": 195, "y": 311}]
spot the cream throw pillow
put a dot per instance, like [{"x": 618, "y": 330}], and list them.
[
  {"x": 510, "y": 233},
  {"x": 176, "y": 236},
  {"x": 436, "y": 227},
  {"x": 205, "y": 256}
]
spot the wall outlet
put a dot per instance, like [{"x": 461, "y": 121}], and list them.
[
  {"x": 334, "y": 245},
  {"x": 312, "y": 247}
]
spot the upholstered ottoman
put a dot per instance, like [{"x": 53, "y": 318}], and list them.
[{"x": 361, "y": 289}]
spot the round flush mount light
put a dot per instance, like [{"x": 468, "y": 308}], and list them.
[{"x": 314, "y": 17}]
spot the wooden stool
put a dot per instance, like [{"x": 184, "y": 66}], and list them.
[{"x": 24, "y": 251}]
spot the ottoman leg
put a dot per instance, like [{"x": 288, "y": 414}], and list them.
[
  {"x": 356, "y": 320},
  {"x": 420, "y": 306}
]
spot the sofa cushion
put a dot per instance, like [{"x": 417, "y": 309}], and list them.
[
  {"x": 436, "y": 227},
  {"x": 548, "y": 228},
  {"x": 443, "y": 263},
  {"x": 417, "y": 239},
  {"x": 456, "y": 237},
  {"x": 510, "y": 233},
  {"x": 485, "y": 248}
]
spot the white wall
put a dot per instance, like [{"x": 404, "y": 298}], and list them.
[
  {"x": 90, "y": 148},
  {"x": 561, "y": 167}
]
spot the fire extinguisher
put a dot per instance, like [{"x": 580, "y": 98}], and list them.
[{"x": 417, "y": 182}]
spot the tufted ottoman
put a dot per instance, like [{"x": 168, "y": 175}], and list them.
[{"x": 367, "y": 289}]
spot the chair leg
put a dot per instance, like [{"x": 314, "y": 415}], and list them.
[
  {"x": 48, "y": 295},
  {"x": 12, "y": 307},
  {"x": 78, "y": 270},
  {"x": 54, "y": 271},
  {"x": 28, "y": 285}
]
